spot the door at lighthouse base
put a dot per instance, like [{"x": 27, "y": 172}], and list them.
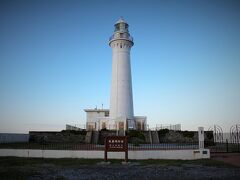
[{"x": 121, "y": 125}]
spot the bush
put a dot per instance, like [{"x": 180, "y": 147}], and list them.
[
  {"x": 136, "y": 137},
  {"x": 137, "y": 141},
  {"x": 188, "y": 134},
  {"x": 104, "y": 129},
  {"x": 163, "y": 132},
  {"x": 136, "y": 134}
]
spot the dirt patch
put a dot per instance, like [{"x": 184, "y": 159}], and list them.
[{"x": 230, "y": 158}]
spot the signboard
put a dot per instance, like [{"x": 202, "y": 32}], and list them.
[{"x": 116, "y": 144}]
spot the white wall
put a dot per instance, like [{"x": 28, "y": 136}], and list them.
[
  {"x": 149, "y": 154},
  {"x": 92, "y": 116}
]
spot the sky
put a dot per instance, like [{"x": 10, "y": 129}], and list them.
[{"x": 55, "y": 61}]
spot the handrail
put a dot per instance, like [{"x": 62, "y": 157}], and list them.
[{"x": 120, "y": 36}]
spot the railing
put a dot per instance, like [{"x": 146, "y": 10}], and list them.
[
  {"x": 52, "y": 146},
  {"x": 121, "y": 36},
  {"x": 75, "y": 146},
  {"x": 75, "y": 127},
  {"x": 174, "y": 127},
  {"x": 223, "y": 147},
  {"x": 164, "y": 146}
]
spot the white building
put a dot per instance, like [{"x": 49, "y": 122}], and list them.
[{"x": 121, "y": 114}]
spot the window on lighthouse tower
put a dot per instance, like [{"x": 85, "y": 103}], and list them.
[
  {"x": 117, "y": 27},
  {"x": 126, "y": 27},
  {"x": 122, "y": 26}
]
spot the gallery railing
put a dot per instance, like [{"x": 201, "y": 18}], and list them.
[{"x": 121, "y": 36}]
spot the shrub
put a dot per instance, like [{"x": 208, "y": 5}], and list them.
[
  {"x": 136, "y": 134},
  {"x": 104, "y": 129},
  {"x": 188, "y": 134},
  {"x": 163, "y": 132},
  {"x": 136, "y": 137}
]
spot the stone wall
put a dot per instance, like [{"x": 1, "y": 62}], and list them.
[
  {"x": 105, "y": 133},
  {"x": 166, "y": 135},
  {"x": 65, "y": 136},
  {"x": 135, "y": 137}
]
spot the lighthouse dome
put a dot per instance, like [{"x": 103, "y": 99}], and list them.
[{"x": 121, "y": 20}]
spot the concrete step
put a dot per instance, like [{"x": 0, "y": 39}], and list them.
[
  {"x": 147, "y": 136},
  {"x": 88, "y": 137},
  {"x": 155, "y": 139},
  {"x": 95, "y": 137}
]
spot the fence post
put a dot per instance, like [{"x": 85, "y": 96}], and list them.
[
  {"x": 105, "y": 150},
  {"x": 200, "y": 137},
  {"x": 227, "y": 144},
  {"x": 238, "y": 146},
  {"x": 126, "y": 149}
]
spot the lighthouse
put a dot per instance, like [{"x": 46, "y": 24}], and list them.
[
  {"x": 120, "y": 116},
  {"x": 121, "y": 99}
]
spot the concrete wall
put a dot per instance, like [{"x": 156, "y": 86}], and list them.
[
  {"x": 91, "y": 116},
  {"x": 150, "y": 154},
  {"x": 141, "y": 123},
  {"x": 12, "y": 138},
  {"x": 121, "y": 99}
]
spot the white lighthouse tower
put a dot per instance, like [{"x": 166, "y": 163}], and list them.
[
  {"x": 121, "y": 100},
  {"x": 120, "y": 117}
]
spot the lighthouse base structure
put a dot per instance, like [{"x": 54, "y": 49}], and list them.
[{"x": 98, "y": 119}]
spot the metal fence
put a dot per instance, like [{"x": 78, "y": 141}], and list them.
[
  {"x": 76, "y": 127},
  {"x": 174, "y": 127},
  {"x": 74, "y": 146},
  {"x": 224, "y": 142},
  {"x": 164, "y": 146},
  {"x": 223, "y": 147},
  {"x": 52, "y": 146},
  {"x": 215, "y": 147}
]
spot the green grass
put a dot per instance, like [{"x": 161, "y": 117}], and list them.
[
  {"x": 16, "y": 161},
  {"x": 203, "y": 162}
]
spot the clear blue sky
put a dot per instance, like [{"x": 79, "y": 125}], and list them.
[{"x": 55, "y": 61}]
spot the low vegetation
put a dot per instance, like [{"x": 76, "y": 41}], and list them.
[
  {"x": 136, "y": 137},
  {"x": 7, "y": 162}
]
